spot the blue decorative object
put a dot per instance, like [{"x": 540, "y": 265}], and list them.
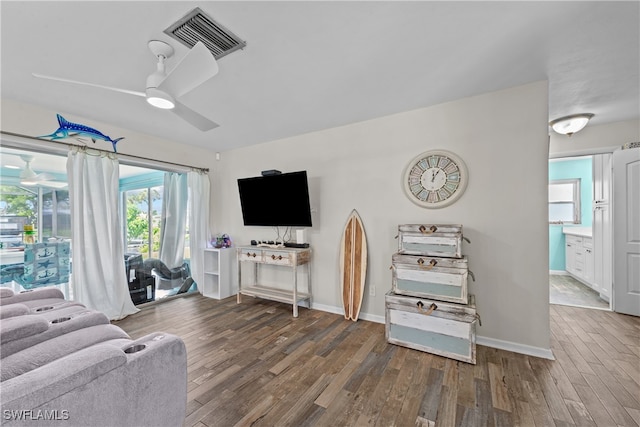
[
  {"x": 45, "y": 264},
  {"x": 68, "y": 129}
]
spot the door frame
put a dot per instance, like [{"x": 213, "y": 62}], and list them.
[{"x": 585, "y": 153}]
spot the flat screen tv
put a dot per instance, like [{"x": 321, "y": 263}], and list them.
[{"x": 276, "y": 200}]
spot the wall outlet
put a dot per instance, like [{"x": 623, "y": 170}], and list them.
[{"x": 372, "y": 290}]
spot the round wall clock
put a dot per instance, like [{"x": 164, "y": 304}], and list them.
[{"x": 435, "y": 179}]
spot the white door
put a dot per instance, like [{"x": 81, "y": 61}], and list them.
[{"x": 626, "y": 231}]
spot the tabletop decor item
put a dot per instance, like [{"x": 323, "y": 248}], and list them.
[{"x": 221, "y": 241}]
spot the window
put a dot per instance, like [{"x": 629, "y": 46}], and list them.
[
  {"x": 56, "y": 214},
  {"x": 18, "y": 206},
  {"x": 20, "y": 201},
  {"x": 564, "y": 201},
  {"x": 143, "y": 209}
]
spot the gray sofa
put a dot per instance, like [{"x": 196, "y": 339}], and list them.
[{"x": 63, "y": 364}]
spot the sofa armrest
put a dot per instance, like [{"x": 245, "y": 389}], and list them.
[
  {"x": 12, "y": 310},
  {"x": 37, "y": 387},
  {"x": 41, "y": 293},
  {"x": 148, "y": 389},
  {"x": 22, "y": 332},
  {"x": 21, "y": 327},
  {"x": 44, "y": 353}
]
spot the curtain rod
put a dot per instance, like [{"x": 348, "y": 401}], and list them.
[{"x": 35, "y": 142}]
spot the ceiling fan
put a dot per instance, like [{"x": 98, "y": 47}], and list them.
[
  {"x": 163, "y": 90},
  {"x": 29, "y": 177}
]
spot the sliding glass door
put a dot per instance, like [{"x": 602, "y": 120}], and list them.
[{"x": 46, "y": 206}]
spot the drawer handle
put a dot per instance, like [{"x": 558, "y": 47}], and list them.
[
  {"x": 253, "y": 254},
  {"x": 428, "y": 311},
  {"x": 279, "y": 256},
  {"x": 424, "y": 230},
  {"x": 432, "y": 264}
]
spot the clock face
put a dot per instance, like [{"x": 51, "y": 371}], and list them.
[{"x": 435, "y": 179}]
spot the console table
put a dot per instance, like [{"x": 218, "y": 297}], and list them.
[{"x": 286, "y": 257}]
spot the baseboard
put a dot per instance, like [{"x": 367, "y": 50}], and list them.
[
  {"x": 543, "y": 353},
  {"x": 558, "y": 272},
  {"x": 339, "y": 310},
  {"x": 488, "y": 342}
]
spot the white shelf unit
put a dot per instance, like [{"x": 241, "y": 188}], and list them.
[{"x": 217, "y": 273}]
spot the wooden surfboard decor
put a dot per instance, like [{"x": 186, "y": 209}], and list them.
[{"x": 353, "y": 265}]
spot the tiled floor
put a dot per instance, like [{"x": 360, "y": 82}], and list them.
[{"x": 565, "y": 290}]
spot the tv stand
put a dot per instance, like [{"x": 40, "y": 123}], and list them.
[{"x": 285, "y": 257}]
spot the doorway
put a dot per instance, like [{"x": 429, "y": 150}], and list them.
[{"x": 580, "y": 231}]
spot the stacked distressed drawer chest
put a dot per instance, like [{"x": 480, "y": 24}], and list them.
[{"x": 428, "y": 307}]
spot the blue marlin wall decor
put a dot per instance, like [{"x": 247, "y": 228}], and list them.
[{"x": 68, "y": 129}]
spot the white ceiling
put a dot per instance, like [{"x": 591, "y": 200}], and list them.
[{"x": 315, "y": 65}]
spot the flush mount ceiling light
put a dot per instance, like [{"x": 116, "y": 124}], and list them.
[{"x": 569, "y": 125}]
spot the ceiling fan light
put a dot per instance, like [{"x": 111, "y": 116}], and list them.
[
  {"x": 28, "y": 182},
  {"x": 160, "y": 99},
  {"x": 569, "y": 125}
]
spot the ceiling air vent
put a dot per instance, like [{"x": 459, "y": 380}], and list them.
[{"x": 198, "y": 27}]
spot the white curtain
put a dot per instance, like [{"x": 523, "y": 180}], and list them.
[
  {"x": 174, "y": 219},
  {"x": 98, "y": 273},
  {"x": 199, "y": 233}
]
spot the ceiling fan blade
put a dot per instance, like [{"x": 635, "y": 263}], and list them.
[
  {"x": 60, "y": 79},
  {"x": 53, "y": 184},
  {"x": 44, "y": 176},
  {"x": 196, "y": 119},
  {"x": 195, "y": 68}
]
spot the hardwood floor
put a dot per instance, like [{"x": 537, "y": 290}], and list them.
[{"x": 254, "y": 364}]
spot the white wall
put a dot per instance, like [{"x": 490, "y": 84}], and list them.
[
  {"x": 31, "y": 120},
  {"x": 503, "y": 139},
  {"x": 595, "y": 139}
]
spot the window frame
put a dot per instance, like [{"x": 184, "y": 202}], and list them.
[{"x": 575, "y": 201}]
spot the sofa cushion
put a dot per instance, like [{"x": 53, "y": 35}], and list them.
[
  {"x": 46, "y": 352},
  {"x": 6, "y": 292}
]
